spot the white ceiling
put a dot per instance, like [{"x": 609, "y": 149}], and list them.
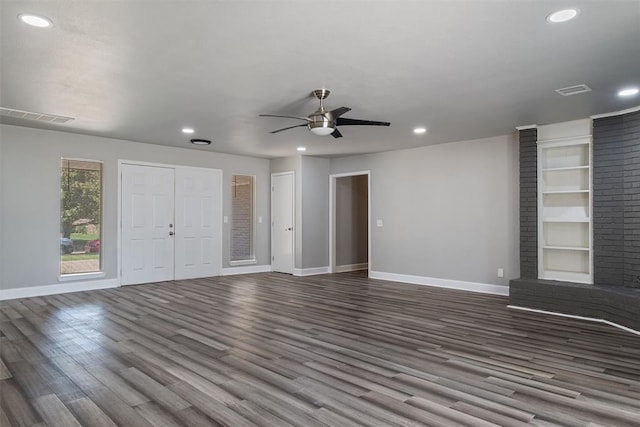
[{"x": 141, "y": 70}]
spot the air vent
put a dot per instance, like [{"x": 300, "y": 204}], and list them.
[
  {"x": 50, "y": 118},
  {"x": 573, "y": 90}
]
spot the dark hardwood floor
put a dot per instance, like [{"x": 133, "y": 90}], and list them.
[{"x": 338, "y": 350}]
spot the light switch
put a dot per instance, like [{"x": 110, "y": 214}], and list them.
[
  {"x": 379, "y": 222},
  {"x": 259, "y": 220},
  {"x": 500, "y": 272},
  {"x": 225, "y": 219}
]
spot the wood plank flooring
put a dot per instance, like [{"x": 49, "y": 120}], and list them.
[{"x": 276, "y": 350}]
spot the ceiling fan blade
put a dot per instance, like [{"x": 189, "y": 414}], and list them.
[
  {"x": 340, "y": 111},
  {"x": 306, "y": 119},
  {"x": 336, "y": 134},
  {"x": 342, "y": 121},
  {"x": 290, "y": 127}
]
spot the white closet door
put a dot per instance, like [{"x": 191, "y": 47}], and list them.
[
  {"x": 147, "y": 218},
  {"x": 282, "y": 232},
  {"x": 198, "y": 224}
]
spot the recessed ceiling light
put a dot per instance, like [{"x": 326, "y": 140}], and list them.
[
  {"x": 630, "y": 91},
  {"x": 562, "y": 16},
  {"x": 302, "y": 148},
  {"x": 187, "y": 130},
  {"x": 420, "y": 130},
  {"x": 198, "y": 141},
  {"x": 35, "y": 20}
]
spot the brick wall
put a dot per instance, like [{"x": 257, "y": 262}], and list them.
[
  {"x": 528, "y": 203},
  {"x": 632, "y": 200},
  {"x": 616, "y": 200},
  {"x": 615, "y": 296},
  {"x": 608, "y": 199}
]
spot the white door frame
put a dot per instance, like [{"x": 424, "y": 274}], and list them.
[
  {"x": 119, "y": 207},
  {"x": 293, "y": 215},
  {"x": 332, "y": 217}
]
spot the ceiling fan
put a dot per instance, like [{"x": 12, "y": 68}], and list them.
[{"x": 323, "y": 122}]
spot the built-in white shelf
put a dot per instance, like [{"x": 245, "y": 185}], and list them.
[
  {"x": 570, "y": 168},
  {"x": 564, "y": 210},
  {"x": 586, "y": 220},
  {"x": 566, "y": 248},
  {"x": 565, "y": 191}
]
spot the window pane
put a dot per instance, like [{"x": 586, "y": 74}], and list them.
[
  {"x": 80, "y": 216},
  {"x": 242, "y": 196}
]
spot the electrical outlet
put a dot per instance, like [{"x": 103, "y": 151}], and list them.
[{"x": 500, "y": 272}]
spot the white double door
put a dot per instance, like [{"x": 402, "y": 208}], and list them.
[{"x": 171, "y": 223}]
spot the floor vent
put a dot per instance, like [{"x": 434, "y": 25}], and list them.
[
  {"x": 51, "y": 118},
  {"x": 573, "y": 90}
]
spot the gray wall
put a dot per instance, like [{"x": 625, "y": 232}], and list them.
[
  {"x": 351, "y": 220},
  {"x": 30, "y": 209},
  {"x": 449, "y": 211},
  {"x": 315, "y": 212}
]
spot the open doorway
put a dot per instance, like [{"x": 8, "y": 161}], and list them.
[{"x": 349, "y": 237}]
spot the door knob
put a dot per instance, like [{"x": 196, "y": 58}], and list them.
[
  {"x": 171, "y": 233},
  {"x": 289, "y": 229}
]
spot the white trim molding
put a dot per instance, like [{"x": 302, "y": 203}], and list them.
[
  {"x": 616, "y": 113},
  {"x": 231, "y": 271},
  {"x": 39, "y": 291},
  {"x": 310, "y": 271},
  {"x": 484, "y": 288},
  {"x": 239, "y": 262},
  {"x": 81, "y": 276},
  {"x": 573, "y": 316},
  {"x": 525, "y": 127},
  {"x": 351, "y": 267}
]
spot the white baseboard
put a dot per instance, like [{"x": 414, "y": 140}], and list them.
[
  {"x": 247, "y": 269},
  {"x": 310, "y": 271},
  {"x": 351, "y": 267},
  {"x": 573, "y": 316},
  {"x": 63, "y": 288},
  {"x": 484, "y": 288}
]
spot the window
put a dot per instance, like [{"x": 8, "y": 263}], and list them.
[
  {"x": 80, "y": 216},
  {"x": 242, "y": 219}
]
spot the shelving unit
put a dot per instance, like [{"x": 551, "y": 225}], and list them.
[{"x": 564, "y": 210}]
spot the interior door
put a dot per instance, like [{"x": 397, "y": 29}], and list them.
[
  {"x": 282, "y": 221},
  {"x": 147, "y": 224},
  {"x": 198, "y": 233}
]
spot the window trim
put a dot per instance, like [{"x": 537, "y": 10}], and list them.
[
  {"x": 70, "y": 277},
  {"x": 251, "y": 259}
]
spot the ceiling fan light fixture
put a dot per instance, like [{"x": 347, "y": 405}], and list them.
[
  {"x": 322, "y": 131},
  {"x": 325, "y": 122}
]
